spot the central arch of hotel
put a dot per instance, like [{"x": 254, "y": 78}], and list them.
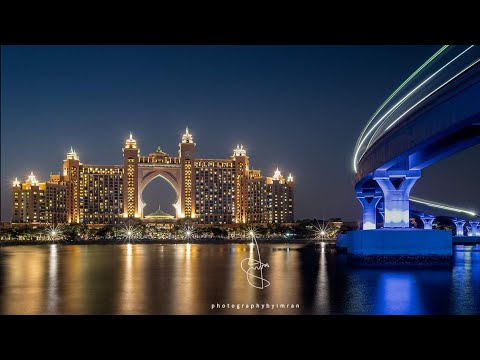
[{"x": 172, "y": 174}]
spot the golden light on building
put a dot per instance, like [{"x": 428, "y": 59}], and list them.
[
  {"x": 37, "y": 202},
  {"x": 277, "y": 175},
  {"x": 270, "y": 199},
  {"x": 187, "y": 159},
  {"x": 209, "y": 191},
  {"x": 131, "y": 143},
  {"x": 72, "y": 154}
]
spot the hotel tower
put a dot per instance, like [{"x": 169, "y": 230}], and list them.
[{"x": 209, "y": 191}]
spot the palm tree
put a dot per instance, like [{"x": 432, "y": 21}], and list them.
[
  {"x": 27, "y": 232},
  {"x": 70, "y": 231}
]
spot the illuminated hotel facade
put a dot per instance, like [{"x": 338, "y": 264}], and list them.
[
  {"x": 209, "y": 191},
  {"x": 36, "y": 203}
]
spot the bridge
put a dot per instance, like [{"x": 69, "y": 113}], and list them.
[
  {"x": 433, "y": 114},
  {"x": 466, "y": 222}
]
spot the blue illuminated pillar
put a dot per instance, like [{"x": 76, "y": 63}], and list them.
[
  {"x": 427, "y": 221},
  {"x": 369, "y": 203},
  {"x": 459, "y": 225},
  {"x": 469, "y": 230},
  {"x": 381, "y": 210},
  {"x": 369, "y": 194},
  {"x": 475, "y": 228},
  {"x": 396, "y": 186}
]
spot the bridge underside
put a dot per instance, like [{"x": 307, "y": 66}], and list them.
[{"x": 447, "y": 124}]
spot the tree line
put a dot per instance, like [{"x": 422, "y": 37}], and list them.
[{"x": 302, "y": 229}]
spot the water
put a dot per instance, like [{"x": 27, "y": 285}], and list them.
[{"x": 191, "y": 279}]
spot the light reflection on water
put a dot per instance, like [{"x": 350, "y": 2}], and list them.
[
  {"x": 398, "y": 294},
  {"x": 190, "y": 278},
  {"x": 52, "y": 301}
]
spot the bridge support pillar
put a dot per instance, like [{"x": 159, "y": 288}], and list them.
[
  {"x": 381, "y": 210},
  {"x": 369, "y": 204},
  {"x": 369, "y": 194},
  {"x": 427, "y": 221},
  {"x": 396, "y": 186},
  {"x": 459, "y": 225},
  {"x": 475, "y": 228}
]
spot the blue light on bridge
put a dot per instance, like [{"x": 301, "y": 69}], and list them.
[{"x": 397, "y": 218}]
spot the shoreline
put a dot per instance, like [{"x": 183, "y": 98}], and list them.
[{"x": 162, "y": 241}]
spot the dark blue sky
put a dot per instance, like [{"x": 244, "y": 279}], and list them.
[{"x": 300, "y": 108}]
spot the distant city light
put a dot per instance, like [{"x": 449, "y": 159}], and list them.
[
  {"x": 251, "y": 233},
  {"x": 54, "y": 232},
  {"x": 129, "y": 231},
  {"x": 188, "y": 231},
  {"x": 322, "y": 231}
]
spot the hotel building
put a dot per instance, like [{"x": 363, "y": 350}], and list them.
[
  {"x": 270, "y": 199},
  {"x": 36, "y": 203},
  {"x": 209, "y": 191}
]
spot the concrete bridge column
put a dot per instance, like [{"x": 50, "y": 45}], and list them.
[
  {"x": 396, "y": 186},
  {"x": 459, "y": 225},
  {"x": 475, "y": 228},
  {"x": 369, "y": 204},
  {"x": 381, "y": 210},
  {"x": 427, "y": 221},
  {"x": 469, "y": 230},
  {"x": 382, "y": 214}
]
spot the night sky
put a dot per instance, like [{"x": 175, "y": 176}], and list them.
[{"x": 300, "y": 108}]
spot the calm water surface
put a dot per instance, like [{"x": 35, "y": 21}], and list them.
[{"x": 190, "y": 279}]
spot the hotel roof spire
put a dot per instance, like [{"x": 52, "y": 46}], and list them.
[
  {"x": 72, "y": 155},
  {"x": 32, "y": 179},
  {"x": 277, "y": 174},
  {"x": 187, "y": 137},
  {"x": 131, "y": 142},
  {"x": 239, "y": 151}
]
